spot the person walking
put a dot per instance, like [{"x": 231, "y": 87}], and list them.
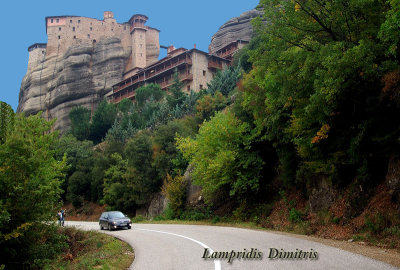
[
  {"x": 62, "y": 217},
  {"x": 59, "y": 216}
]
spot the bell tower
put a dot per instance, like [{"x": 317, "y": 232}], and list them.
[{"x": 138, "y": 37}]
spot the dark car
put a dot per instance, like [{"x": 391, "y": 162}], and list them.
[{"x": 114, "y": 220}]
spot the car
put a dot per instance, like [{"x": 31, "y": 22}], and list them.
[{"x": 114, "y": 220}]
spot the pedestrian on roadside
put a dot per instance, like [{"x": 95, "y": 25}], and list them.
[
  {"x": 59, "y": 217},
  {"x": 62, "y": 217}
]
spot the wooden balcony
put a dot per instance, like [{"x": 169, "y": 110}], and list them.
[
  {"x": 182, "y": 78},
  {"x": 214, "y": 65},
  {"x": 116, "y": 97},
  {"x": 226, "y": 53},
  {"x": 152, "y": 72}
]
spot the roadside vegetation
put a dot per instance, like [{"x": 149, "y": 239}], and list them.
[
  {"x": 297, "y": 135},
  {"x": 91, "y": 250}
]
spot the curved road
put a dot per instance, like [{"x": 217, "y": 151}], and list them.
[{"x": 161, "y": 246}]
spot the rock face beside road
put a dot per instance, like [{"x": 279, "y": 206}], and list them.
[
  {"x": 234, "y": 29},
  {"x": 81, "y": 76}
]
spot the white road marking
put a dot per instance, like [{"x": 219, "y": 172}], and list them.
[{"x": 217, "y": 263}]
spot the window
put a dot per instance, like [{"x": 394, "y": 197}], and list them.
[
  {"x": 140, "y": 54},
  {"x": 88, "y": 36},
  {"x": 70, "y": 21},
  {"x": 57, "y": 20},
  {"x": 59, "y": 28},
  {"x": 79, "y": 21},
  {"x": 91, "y": 28},
  {"x": 201, "y": 86},
  {"x": 73, "y": 29},
  {"x": 204, "y": 73},
  {"x": 74, "y": 37},
  {"x": 188, "y": 87},
  {"x": 59, "y": 37},
  {"x": 51, "y": 20}
]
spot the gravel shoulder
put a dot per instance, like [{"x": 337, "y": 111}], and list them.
[{"x": 390, "y": 256}]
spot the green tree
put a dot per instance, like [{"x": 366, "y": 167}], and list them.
[
  {"x": 176, "y": 95},
  {"x": 125, "y": 106},
  {"x": 316, "y": 82},
  {"x": 149, "y": 92},
  {"x": 78, "y": 153},
  {"x": 80, "y": 122},
  {"x": 167, "y": 159},
  {"x": 224, "y": 81},
  {"x": 102, "y": 121},
  {"x": 6, "y": 120},
  {"x": 118, "y": 185},
  {"x": 174, "y": 188},
  {"x": 30, "y": 179},
  {"x": 139, "y": 154},
  {"x": 207, "y": 105},
  {"x": 222, "y": 158}
]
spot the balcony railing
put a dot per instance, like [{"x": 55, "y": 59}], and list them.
[
  {"x": 182, "y": 78},
  {"x": 148, "y": 74},
  {"x": 215, "y": 65},
  {"x": 117, "y": 97}
]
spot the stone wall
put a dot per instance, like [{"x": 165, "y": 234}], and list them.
[
  {"x": 74, "y": 30},
  {"x": 201, "y": 74},
  {"x": 36, "y": 57}
]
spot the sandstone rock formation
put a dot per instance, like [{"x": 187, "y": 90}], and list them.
[
  {"x": 83, "y": 75},
  {"x": 238, "y": 28},
  {"x": 157, "y": 206}
]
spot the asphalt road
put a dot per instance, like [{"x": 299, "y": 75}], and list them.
[{"x": 159, "y": 246}]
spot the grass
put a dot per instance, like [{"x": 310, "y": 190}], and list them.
[{"x": 91, "y": 250}]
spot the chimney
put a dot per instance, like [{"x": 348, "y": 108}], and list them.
[
  {"x": 170, "y": 49},
  {"x": 194, "y": 46}
]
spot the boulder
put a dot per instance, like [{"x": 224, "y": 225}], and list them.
[
  {"x": 322, "y": 196},
  {"x": 157, "y": 205},
  {"x": 193, "y": 192}
]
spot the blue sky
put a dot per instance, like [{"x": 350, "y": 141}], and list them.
[{"x": 182, "y": 23}]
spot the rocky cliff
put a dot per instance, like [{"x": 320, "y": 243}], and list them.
[
  {"x": 233, "y": 30},
  {"x": 83, "y": 75}
]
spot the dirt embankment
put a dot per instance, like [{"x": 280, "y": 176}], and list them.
[
  {"x": 88, "y": 212},
  {"x": 374, "y": 233}
]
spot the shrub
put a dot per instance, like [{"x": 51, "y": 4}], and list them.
[
  {"x": 296, "y": 216},
  {"x": 195, "y": 215},
  {"x": 174, "y": 189},
  {"x": 138, "y": 218}
]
